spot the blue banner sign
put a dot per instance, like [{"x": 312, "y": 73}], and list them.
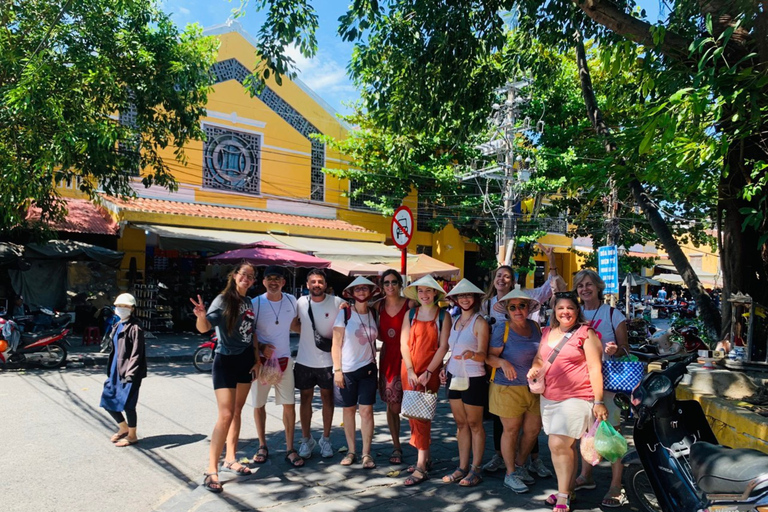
[{"x": 608, "y": 267}]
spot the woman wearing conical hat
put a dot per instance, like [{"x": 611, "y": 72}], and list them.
[
  {"x": 468, "y": 343},
  {"x": 423, "y": 343}
]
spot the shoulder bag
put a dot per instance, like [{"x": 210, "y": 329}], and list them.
[
  {"x": 538, "y": 385},
  {"x": 321, "y": 342}
]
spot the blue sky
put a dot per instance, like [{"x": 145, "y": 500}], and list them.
[{"x": 326, "y": 72}]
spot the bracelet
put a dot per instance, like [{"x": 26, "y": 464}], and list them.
[
  {"x": 409, "y": 368},
  {"x": 429, "y": 372},
  {"x": 336, "y": 370},
  {"x": 598, "y": 402}
]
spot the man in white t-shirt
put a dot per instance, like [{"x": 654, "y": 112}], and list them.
[
  {"x": 314, "y": 365},
  {"x": 275, "y": 311}
]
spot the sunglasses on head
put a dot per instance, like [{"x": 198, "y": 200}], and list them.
[
  {"x": 515, "y": 307},
  {"x": 567, "y": 295}
]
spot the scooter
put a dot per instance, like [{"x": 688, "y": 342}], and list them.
[
  {"x": 677, "y": 465},
  {"x": 42, "y": 319},
  {"x": 46, "y": 348},
  {"x": 204, "y": 354}
]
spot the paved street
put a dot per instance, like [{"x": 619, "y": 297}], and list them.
[{"x": 58, "y": 456}]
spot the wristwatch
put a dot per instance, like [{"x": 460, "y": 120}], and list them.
[{"x": 336, "y": 370}]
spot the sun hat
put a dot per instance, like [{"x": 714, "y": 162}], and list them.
[
  {"x": 411, "y": 291},
  {"x": 517, "y": 293},
  {"x": 465, "y": 286},
  {"x": 125, "y": 299},
  {"x": 359, "y": 280}
]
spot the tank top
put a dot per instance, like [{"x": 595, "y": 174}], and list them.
[
  {"x": 460, "y": 341},
  {"x": 390, "y": 357}
]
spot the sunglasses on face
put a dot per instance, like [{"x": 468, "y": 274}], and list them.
[
  {"x": 514, "y": 307},
  {"x": 390, "y": 283},
  {"x": 361, "y": 289}
]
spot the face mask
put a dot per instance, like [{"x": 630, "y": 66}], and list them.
[{"x": 123, "y": 313}]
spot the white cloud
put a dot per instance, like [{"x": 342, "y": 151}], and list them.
[
  {"x": 185, "y": 11},
  {"x": 322, "y": 73}
]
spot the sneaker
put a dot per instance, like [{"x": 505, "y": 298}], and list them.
[
  {"x": 326, "y": 450},
  {"x": 524, "y": 475},
  {"x": 306, "y": 446},
  {"x": 514, "y": 483},
  {"x": 538, "y": 467},
  {"x": 494, "y": 464}
]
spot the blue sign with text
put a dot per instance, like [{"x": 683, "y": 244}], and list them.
[{"x": 608, "y": 267}]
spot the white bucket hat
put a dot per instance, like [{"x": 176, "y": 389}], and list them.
[
  {"x": 125, "y": 299},
  {"x": 360, "y": 280},
  {"x": 533, "y": 304},
  {"x": 465, "y": 286},
  {"x": 412, "y": 292}
]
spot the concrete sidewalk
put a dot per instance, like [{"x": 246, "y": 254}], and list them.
[
  {"x": 325, "y": 485},
  {"x": 161, "y": 348}
]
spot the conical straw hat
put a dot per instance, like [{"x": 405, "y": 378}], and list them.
[
  {"x": 411, "y": 291},
  {"x": 465, "y": 286},
  {"x": 360, "y": 280},
  {"x": 517, "y": 293}
]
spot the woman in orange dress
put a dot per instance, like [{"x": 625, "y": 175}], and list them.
[{"x": 423, "y": 343}]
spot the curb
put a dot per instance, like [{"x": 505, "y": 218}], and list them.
[{"x": 86, "y": 360}]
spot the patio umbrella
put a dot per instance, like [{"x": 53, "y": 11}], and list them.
[{"x": 261, "y": 256}]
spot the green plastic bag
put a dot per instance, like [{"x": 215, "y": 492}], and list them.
[{"x": 609, "y": 443}]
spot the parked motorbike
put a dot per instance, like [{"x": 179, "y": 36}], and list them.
[
  {"x": 46, "y": 348},
  {"x": 42, "y": 319},
  {"x": 677, "y": 464},
  {"x": 203, "y": 356},
  {"x": 686, "y": 309},
  {"x": 690, "y": 336}
]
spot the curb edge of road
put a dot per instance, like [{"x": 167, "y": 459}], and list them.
[{"x": 88, "y": 360}]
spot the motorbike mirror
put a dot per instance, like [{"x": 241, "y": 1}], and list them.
[{"x": 622, "y": 401}]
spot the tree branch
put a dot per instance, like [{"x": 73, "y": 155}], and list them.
[{"x": 607, "y": 14}]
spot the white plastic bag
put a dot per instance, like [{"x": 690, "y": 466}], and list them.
[{"x": 460, "y": 382}]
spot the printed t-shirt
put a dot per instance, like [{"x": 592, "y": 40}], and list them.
[
  {"x": 273, "y": 322},
  {"x": 324, "y": 313},
  {"x": 600, "y": 320},
  {"x": 518, "y": 350},
  {"x": 358, "y": 346},
  {"x": 241, "y": 337}
]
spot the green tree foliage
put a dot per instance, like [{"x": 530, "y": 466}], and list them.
[{"x": 67, "y": 69}]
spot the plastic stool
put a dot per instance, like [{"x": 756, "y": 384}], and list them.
[{"x": 92, "y": 336}]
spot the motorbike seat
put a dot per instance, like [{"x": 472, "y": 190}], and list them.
[{"x": 721, "y": 470}]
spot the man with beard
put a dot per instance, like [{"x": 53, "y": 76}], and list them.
[
  {"x": 275, "y": 312},
  {"x": 314, "y": 365}
]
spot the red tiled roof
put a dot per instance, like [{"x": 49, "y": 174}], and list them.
[
  {"x": 223, "y": 212},
  {"x": 82, "y": 217}
]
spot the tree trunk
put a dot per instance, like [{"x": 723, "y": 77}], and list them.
[{"x": 707, "y": 310}]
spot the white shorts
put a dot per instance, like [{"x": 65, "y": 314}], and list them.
[
  {"x": 284, "y": 391},
  {"x": 571, "y": 417}
]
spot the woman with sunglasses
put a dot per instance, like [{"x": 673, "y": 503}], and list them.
[
  {"x": 423, "y": 344},
  {"x": 392, "y": 311},
  {"x": 468, "y": 344},
  {"x": 573, "y": 397},
  {"x": 512, "y": 352},
  {"x": 234, "y": 367},
  {"x": 611, "y": 327}
]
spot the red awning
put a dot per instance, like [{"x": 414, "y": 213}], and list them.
[
  {"x": 82, "y": 217},
  {"x": 260, "y": 256}
]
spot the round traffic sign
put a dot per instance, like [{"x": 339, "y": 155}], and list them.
[{"x": 402, "y": 227}]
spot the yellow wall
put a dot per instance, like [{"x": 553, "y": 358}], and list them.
[{"x": 134, "y": 243}]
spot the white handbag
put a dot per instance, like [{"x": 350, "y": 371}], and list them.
[
  {"x": 460, "y": 382},
  {"x": 419, "y": 405}
]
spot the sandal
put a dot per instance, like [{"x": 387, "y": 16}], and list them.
[
  {"x": 261, "y": 455},
  {"x": 552, "y": 499},
  {"x": 473, "y": 477},
  {"x": 349, "y": 459},
  {"x": 239, "y": 469},
  {"x": 396, "y": 457},
  {"x": 583, "y": 483},
  {"x": 458, "y": 474},
  {"x": 212, "y": 485},
  {"x": 413, "y": 467},
  {"x": 120, "y": 435},
  {"x": 368, "y": 462},
  {"x": 296, "y": 461},
  {"x": 562, "y": 507},
  {"x": 126, "y": 442},
  {"x": 414, "y": 480},
  {"x": 614, "y": 498}
]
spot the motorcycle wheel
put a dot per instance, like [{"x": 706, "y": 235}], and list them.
[
  {"x": 53, "y": 356},
  {"x": 639, "y": 491},
  {"x": 203, "y": 359}
]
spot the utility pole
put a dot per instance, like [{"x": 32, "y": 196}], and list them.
[{"x": 506, "y": 168}]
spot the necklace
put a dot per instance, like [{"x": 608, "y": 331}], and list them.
[
  {"x": 277, "y": 313},
  {"x": 367, "y": 329}
]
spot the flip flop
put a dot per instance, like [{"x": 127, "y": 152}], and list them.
[
  {"x": 126, "y": 442},
  {"x": 120, "y": 435}
]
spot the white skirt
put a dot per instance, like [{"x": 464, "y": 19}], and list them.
[{"x": 571, "y": 417}]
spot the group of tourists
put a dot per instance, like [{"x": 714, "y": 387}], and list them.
[{"x": 495, "y": 349}]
